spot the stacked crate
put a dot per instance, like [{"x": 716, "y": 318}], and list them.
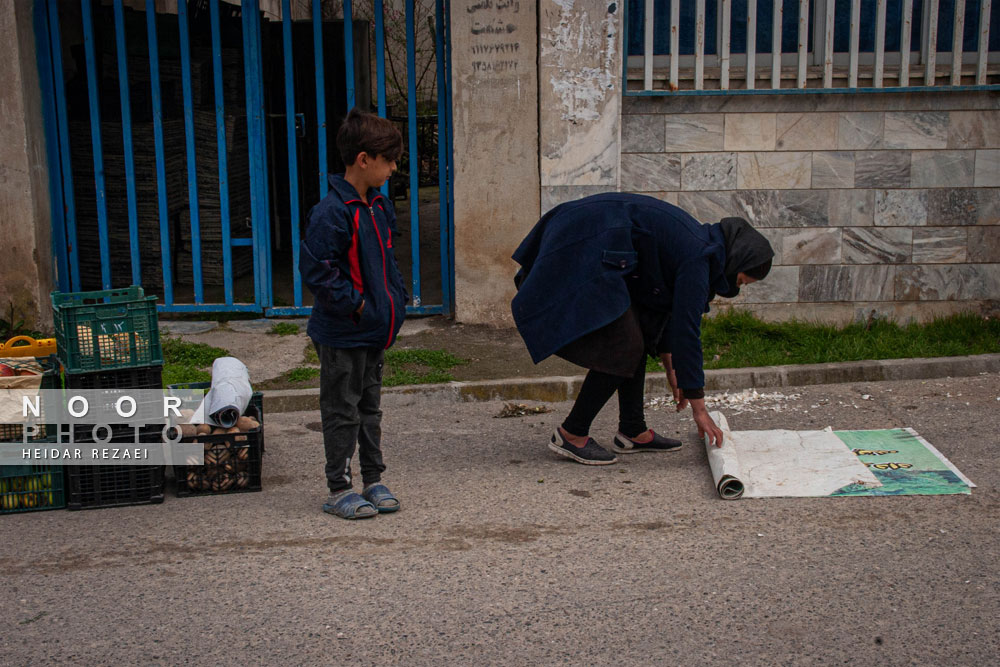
[
  {"x": 27, "y": 488},
  {"x": 110, "y": 339},
  {"x": 232, "y": 462},
  {"x": 147, "y": 200},
  {"x": 175, "y": 159},
  {"x": 209, "y": 203},
  {"x": 178, "y": 209}
]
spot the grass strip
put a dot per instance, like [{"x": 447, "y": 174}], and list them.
[
  {"x": 310, "y": 356},
  {"x": 737, "y": 339},
  {"x": 284, "y": 329},
  {"x": 302, "y": 374},
  {"x": 182, "y": 361},
  {"x": 418, "y": 366}
]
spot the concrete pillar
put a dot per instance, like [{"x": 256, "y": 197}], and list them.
[
  {"x": 579, "y": 72},
  {"x": 495, "y": 98},
  {"x": 25, "y": 228}
]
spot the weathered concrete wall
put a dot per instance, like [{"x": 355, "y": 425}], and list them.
[
  {"x": 885, "y": 204},
  {"x": 495, "y": 99},
  {"x": 579, "y": 72},
  {"x": 26, "y": 264}
]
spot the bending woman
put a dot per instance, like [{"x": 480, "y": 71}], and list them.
[{"x": 607, "y": 279}]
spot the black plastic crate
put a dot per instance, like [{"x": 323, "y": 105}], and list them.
[
  {"x": 50, "y": 380},
  {"x": 146, "y": 377},
  {"x": 92, "y": 487},
  {"x": 256, "y": 402},
  {"x": 233, "y": 462}
]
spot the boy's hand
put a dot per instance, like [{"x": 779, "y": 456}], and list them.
[{"x": 356, "y": 315}]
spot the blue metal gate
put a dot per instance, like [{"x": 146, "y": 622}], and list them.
[{"x": 195, "y": 183}]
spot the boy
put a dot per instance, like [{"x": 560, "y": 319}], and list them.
[{"x": 347, "y": 262}]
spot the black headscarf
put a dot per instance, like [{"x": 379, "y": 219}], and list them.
[{"x": 746, "y": 249}]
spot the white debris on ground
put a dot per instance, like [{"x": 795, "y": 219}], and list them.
[{"x": 748, "y": 400}]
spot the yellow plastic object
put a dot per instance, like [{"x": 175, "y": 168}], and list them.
[{"x": 26, "y": 346}]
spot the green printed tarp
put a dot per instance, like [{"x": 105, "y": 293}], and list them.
[{"x": 904, "y": 463}]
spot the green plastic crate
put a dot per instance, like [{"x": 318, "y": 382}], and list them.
[
  {"x": 107, "y": 329},
  {"x": 30, "y": 488}
]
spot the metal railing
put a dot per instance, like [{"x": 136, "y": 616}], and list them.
[{"x": 675, "y": 61}]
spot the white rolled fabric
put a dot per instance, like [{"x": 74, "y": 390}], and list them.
[{"x": 229, "y": 396}]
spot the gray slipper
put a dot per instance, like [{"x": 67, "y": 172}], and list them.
[
  {"x": 380, "y": 496},
  {"x": 349, "y": 505}
]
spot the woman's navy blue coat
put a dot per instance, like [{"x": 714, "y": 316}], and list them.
[{"x": 588, "y": 260}]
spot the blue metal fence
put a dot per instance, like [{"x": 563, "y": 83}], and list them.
[{"x": 118, "y": 227}]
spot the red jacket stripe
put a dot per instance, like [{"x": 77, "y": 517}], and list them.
[{"x": 352, "y": 257}]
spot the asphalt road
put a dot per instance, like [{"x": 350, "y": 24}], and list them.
[{"x": 504, "y": 554}]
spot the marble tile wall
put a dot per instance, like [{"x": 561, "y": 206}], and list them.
[
  {"x": 812, "y": 246},
  {"x": 784, "y": 170},
  {"x": 781, "y": 286},
  {"x": 947, "y": 282},
  {"x": 984, "y": 244},
  {"x": 783, "y": 208},
  {"x": 750, "y": 132},
  {"x": 851, "y": 208},
  {"x": 940, "y": 245},
  {"x": 687, "y": 132},
  {"x": 708, "y": 171},
  {"x": 833, "y": 169},
  {"x": 650, "y": 172},
  {"x": 900, "y": 208},
  {"x": 882, "y": 169},
  {"x": 807, "y": 131},
  {"x": 846, "y": 283},
  {"x": 987, "y": 169},
  {"x": 942, "y": 169},
  {"x": 926, "y": 129},
  {"x": 707, "y": 206},
  {"x": 877, "y": 245},
  {"x": 553, "y": 195},
  {"x": 875, "y": 203}
]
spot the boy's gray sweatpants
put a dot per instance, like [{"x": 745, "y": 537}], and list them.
[{"x": 350, "y": 391}]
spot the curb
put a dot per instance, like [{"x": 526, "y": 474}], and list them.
[{"x": 556, "y": 389}]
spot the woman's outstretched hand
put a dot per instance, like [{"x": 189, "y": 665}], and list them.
[{"x": 706, "y": 425}]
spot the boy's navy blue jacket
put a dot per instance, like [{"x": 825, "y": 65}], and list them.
[
  {"x": 586, "y": 261},
  {"x": 346, "y": 258}
]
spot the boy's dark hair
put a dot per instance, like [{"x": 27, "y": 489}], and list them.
[{"x": 368, "y": 133}]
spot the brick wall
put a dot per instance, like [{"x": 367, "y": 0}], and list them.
[{"x": 887, "y": 203}]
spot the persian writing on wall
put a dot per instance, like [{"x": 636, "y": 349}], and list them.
[{"x": 495, "y": 52}]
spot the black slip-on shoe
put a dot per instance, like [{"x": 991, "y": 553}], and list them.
[
  {"x": 626, "y": 445},
  {"x": 591, "y": 454}
]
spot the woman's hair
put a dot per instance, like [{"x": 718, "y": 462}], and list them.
[
  {"x": 760, "y": 271},
  {"x": 368, "y": 133}
]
